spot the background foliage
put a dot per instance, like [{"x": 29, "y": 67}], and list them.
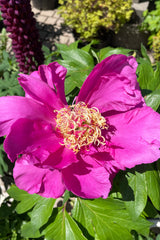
[
  {"x": 151, "y": 23},
  {"x": 89, "y": 16}
]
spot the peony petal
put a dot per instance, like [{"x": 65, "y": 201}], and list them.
[
  {"x": 27, "y": 135},
  {"x": 137, "y": 137},
  {"x": 105, "y": 160},
  {"x": 61, "y": 158},
  {"x": 54, "y": 75},
  {"x": 53, "y": 186},
  {"x": 112, "y": 85},
  {"x": 39, "y": 91},
  {"x": 13, "y": 108},
  {"x": 87, "y": 180},
  {"x": 37, "y": 180}
]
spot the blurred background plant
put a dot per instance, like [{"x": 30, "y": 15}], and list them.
[
  {"x": 151, "y": 23},
  {"x": 21, "y": 24},
  {"x": 8, "y": 69},
  {"x": 89, "y": 16}
]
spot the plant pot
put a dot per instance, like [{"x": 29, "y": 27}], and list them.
[{"x": 45, "y": 4}]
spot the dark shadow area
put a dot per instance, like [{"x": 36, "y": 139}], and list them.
[
  {"x": 7, "y": 173},
  {"x": 145, "y": 92},
  {"x": 1, "y": 25},
  {"x": 120, "y": 184},
  {"x": 50, "y": 34},
  {"x": 120, "y": 181},
  {"x": 84, "y": 231},
  {"x": 45, "y": 4}
]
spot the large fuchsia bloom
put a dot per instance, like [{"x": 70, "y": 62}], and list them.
[{"x": 79, "y": 147}]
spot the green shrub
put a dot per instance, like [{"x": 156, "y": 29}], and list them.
[
  {"x": 151, "y": 23},
  {"x": 87, "y": 16},
  {"x": 156, "y": 46}
]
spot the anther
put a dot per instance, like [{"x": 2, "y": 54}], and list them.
[{"x": 80, "y": 126}]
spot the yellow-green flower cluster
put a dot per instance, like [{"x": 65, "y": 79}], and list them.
[
  {"x": 87, "y": 16},
  {"x": 156, "y": 46}
]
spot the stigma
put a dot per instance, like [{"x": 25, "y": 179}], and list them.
[{"x": 80, "y": 126}]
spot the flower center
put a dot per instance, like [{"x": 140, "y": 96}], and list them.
[{"x": 80, "y": 126}]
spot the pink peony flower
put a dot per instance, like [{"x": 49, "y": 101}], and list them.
[{"x": 79, "y": 147}]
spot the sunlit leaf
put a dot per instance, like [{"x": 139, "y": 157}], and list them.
[
  {"x": 153, "y": 185},
  {"x": 41, "y": 212},
  {"x": 144, "y": 53},
  {"x": 108, "y": 51},
  {"x": 137, "y": 183},
  {"x": 153, "y": 99},
  {"x": 146, "y": 76},
  {"x": 107, "y": 219},
  {"x": 79, "y": 64},
  {"x": 26, "y": 200},
  {"x": 29, "y": 231},
  {"x": 64, "y": 228}
]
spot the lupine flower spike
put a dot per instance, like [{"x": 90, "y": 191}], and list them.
[{"x": 20, "y": 22}]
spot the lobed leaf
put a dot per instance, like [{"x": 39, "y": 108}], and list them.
[
  {"x": 41, "y": 212},
  {"x": 107, "y": 219},
  {"x": 64, "y": 228},
  {"x": 153, "y": 185},
  {"x": 79, "y": 64},
  {"x": 108, "y": 51},
  {"x": 135, "y": 202}
]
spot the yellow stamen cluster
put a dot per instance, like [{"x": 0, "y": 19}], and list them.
[{"x": 80, "y": 126}]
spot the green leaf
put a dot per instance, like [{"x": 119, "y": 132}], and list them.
[
  {"x": 3, "y": 164},
  {"x": 146, "y": 76},
  {"x": 40, "y": 214},
  {"x": 47, "y": 54},
  {"x": 150, "y": 211},
  {"x": 41, "y": 211},
  {"x": 136, "y": 206},
  {"x": 108, "y": 51},
  {"x": 157, "y": 75},
  {"x": 70, "y": 84},
  {"x": 9, "y": 85},
  {"x": 66, "y": 196},
  {"x": 61, "y": 47},
  {"x": 153, "y": 99},
  {"x": 27, "y": 201},
  {"x": 79, "y": 64},
  {"x": 64, "y": 47},
  {"x": 144, "y": 53},
  {"x": 107, "y": 219},
  {"x": 79, "y": 57},
  {"x": 29, "y": 231},
  {"x": 87, "y": 48},
  {"x": 153, "y": 185},
  {"x": 72, "y": 229},
  {"x": 64, "y": 228},
  {"x": 144, "y": 180},
  {"x": 74, "y": 45}
]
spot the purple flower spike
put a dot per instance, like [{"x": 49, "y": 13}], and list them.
[{"x": 20, "y": 22}]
